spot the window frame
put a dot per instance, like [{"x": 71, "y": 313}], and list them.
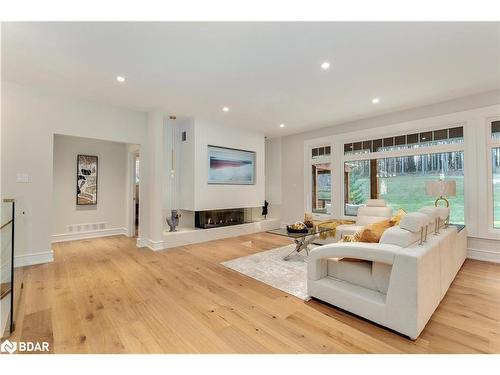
[
  {"x": 308, "y": 163},
  {"x": 423, "y": 150},
  {"x": 491, "y": 143}
]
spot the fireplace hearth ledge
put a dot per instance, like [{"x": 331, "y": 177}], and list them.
[{"x": 187, "y": 236}]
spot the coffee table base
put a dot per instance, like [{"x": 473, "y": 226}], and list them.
[{"x": 301, "y": 244}]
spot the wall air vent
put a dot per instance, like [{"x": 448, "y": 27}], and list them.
[{"x": 90, "y": 227}]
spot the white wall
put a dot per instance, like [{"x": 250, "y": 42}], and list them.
[
  {"x": 273, "y": 177},
  {"x": 185, "y": 166},
  {"x": 195, "y": 192},
  {"x": 483, "y": 242},
  {"x": 30, "y": 118},
  {"x": 111, "y": 205}
]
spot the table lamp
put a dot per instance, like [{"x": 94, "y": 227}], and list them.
[{"x": 441, "y": 189}]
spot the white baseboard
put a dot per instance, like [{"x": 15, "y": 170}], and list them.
[
  {"x": 153, "y": 245},
  {"x": 142, "y": 242},
  {"x": 484, "y": 255},
  {"x": 34, "y": 258},
  {"x": 89, "y": 234}
]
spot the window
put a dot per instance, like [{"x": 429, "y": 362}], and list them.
[
  {"x": 400, "y": 178},
  {"x": 356, "y": 185},
  {"x": 321, "y": 188},
  {"x": 319, "y": 152},
  {"x": 495, "y": 157},
  {"x": 401, "y": 181},
  {"x": 495, "y": 169},
  {"x": 428, "y": 138}
]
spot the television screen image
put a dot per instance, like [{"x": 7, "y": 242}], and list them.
[{"x": 230, "y": 166}]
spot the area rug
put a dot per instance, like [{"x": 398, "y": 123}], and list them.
[{"x": 269, "y": 267}]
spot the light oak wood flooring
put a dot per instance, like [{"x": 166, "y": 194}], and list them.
[{"x": 108, "y": 296}]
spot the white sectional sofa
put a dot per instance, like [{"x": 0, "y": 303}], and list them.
[
  {"x": 398, "y": 282},
  {"x": 374, "y": 210}
]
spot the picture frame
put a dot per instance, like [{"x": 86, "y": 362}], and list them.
[
  {"x": 230, "y": 166},
  {"x": 87, "y": 171}
]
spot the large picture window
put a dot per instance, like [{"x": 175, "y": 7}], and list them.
[
  {"x": 397, "y": 169},
  {"x": 356, "y": 185},
  {"x": 495, "y": 169},
  {"x": 321, "y": 188},
  {"x": 495, "y": 157},
  {"x": 401, "y": 181}
]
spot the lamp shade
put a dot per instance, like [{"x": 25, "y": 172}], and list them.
[{"x": 441, "y": 188}]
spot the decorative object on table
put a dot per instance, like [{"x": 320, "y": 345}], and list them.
[
  {"x": 173, "y": 220},
  {"x": 228, "y": 166},
  {"x": 297, "y": 227},
  {"x": 302, "y": 239},
  {"x": 264, "y": 209},
  {"x": 86, "y": 180},
  {"x": 441, "y": 189},
  {"x": 308, "y": 220},
  {"x": 332, "y": 225}
]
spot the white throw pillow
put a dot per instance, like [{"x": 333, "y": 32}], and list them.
[
  {"x": 414, "y": 221},
  {"x": 399, "y": 237}
]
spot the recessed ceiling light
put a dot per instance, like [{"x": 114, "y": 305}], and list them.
[
  {"x": 225, "y": 109},
  {"x": 375, "y": 100},
  {"x": 325, "y": 65},
  {"x": 120, "y": 79},
  {"x": 282, "y": 125}
]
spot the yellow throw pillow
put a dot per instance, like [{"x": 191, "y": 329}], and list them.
[
  {"x": 372, "y": 232},
  {"x": 398, "y": 216}
]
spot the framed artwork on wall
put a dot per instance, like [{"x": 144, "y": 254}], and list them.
[
  {"x": 228, "y": 166},
  {"x": 86, "y": 180}
]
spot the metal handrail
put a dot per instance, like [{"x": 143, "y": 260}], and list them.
[
  {"x": 7, "y": 223},
  {"x": 10, "y": 290}
]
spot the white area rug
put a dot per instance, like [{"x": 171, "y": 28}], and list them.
[{"x": 269, "y": 267}]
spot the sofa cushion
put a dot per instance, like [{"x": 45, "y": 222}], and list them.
[
  {"x": 368, "y": 215},
  {"x": 358, "y": 273},
  {"x": 399, "y": 237},
  {"x": 381, "y": 275},
  {"x": 348, "y": 229},
  {"x": 443, "y": 213},
  {"x": 431, "y": 212},
  {"x": 414, "y": 221},
  {"x": 375, "y": 203},
  {"x": 370, "y": 275}
]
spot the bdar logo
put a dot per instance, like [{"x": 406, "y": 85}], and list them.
[{"x": 8, "y": 347}]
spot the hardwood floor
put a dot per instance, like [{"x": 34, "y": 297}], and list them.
[{"x": 107, "y": 296}]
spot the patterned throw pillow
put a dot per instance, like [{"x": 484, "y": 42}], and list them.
[{"x": 398, "y": 216}]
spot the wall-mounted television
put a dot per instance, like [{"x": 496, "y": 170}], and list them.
[{"x": 229, "y": 166}]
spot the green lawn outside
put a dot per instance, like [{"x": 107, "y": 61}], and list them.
[{"x": 408, "y": 193}]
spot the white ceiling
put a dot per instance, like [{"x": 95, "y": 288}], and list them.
[{"x": 266, "y": 73}]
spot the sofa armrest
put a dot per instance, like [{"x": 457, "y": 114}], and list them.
[{"x": 375, "y": 252}]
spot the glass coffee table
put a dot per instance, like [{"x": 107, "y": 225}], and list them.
[{"x": 302, "y": 240}]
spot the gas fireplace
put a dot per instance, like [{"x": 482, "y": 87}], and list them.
[{"x": 219, "y": 218}]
